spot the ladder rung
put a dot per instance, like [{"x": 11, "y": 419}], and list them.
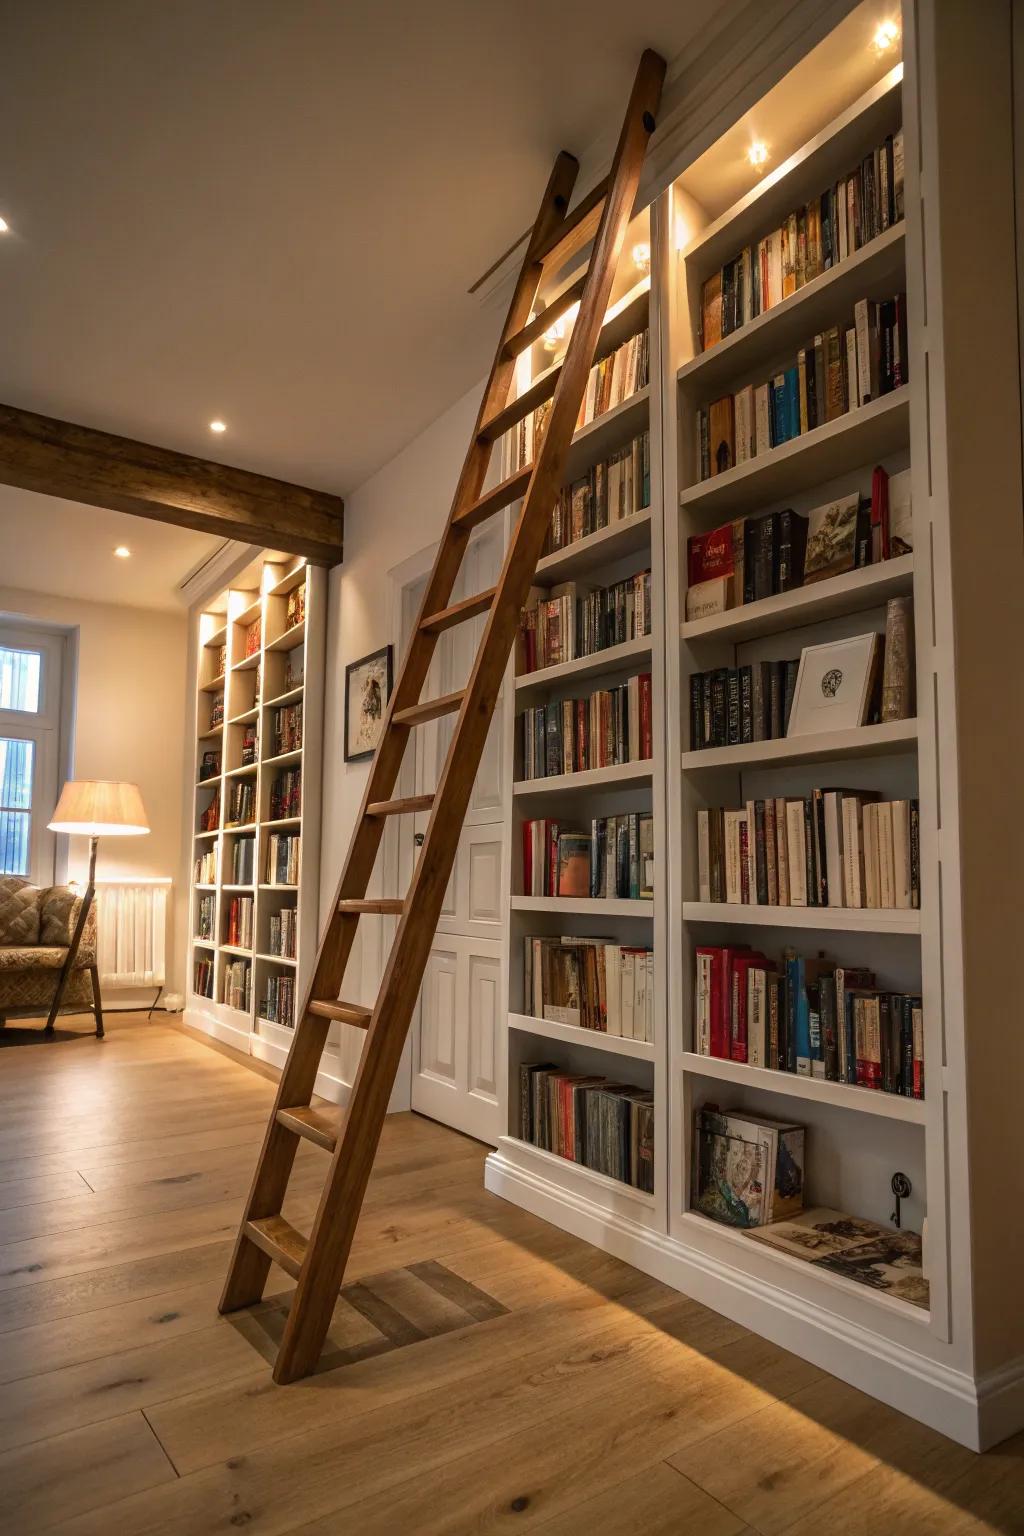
[
  {"x": 516, "y": 409},
  {"x": 279, "y": 1239},
  {"x": 345, "y": 1013},
  {"x": 458, "y": 612},
  {"x": 492, "y": 501},
  {"x": 430, "y": 709},
  {"x": 408, "y": 803},
  {"x": 319, "y": 1123},
  {"x": 542, "y": 322},
  {"x": 576, "y": 229},
  {"x": 379, "y": 904}
]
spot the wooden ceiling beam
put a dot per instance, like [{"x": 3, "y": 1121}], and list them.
[{"x": 57, "y": 458}]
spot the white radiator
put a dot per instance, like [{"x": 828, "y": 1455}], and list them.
[{"x": 132, "y": 916}]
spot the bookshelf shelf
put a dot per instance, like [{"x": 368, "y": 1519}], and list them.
[
  {"x": 214, "y": 833},
  {"x": 630, "y": 654},
  {"x": 826, "y": 919},
  {"x": 250, "y": 613},
  {"x": 247, "y": 717},
  {"x": 869, "y": 587},
  {"x": 867, "y": 434},
  {"x": 618, "y": 775},
  {"x": 217, "y": 638},
  {"x": 283, "y": 759},
  {"x": 876, "y": 268},
  {"x": 278, "y": 960},
  {"x": 242, "y": 772},
  {"x": 235, "y": 949},
  {"x": 550, "y": 1162},
  {"x": 572, "y": 1034},
  {"x": 247, "y": 663},
  {"x": 290, "y": 696},
  {"x": 289, "y": 582},
  {"x": 863, "y": 741},
  {"x": 227, "y": 887},
  {"x": 211, "y": 733},
  {"x": 265, "y": 886},
  {"x": 204, "y": 943},
  {"x": 598, "y": 549},
  {"x": 790, "y": 1085},
  {"x": 215, "y": 685},
  {"x": 604, "y": 434},
  {"x": 605, "y": 906},
  {"x": 290, "y": 639}
]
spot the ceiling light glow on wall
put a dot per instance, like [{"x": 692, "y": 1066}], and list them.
[
  {"x": 4, "y": 226},
  {"x": 555, "y": 333},
  {"x": 122, "y": 552},
  {"x": 757, "y": 154},
  {"x": 886, "y": 36},
  {"x": 642, "y": 256},
  {"x": 218, "y": 426}
]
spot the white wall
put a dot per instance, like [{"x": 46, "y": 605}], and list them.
[{"x": 129, "y": 724}]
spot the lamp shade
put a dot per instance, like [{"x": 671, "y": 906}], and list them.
[{"x": 100, "y": 808}]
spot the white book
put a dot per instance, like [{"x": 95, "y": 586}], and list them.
[
  {"x": 751, "y": 853},
  {"x": 782, "y": 853},
  {"x": 743, "y": 418},
  {"x": 834, "y": 847},
  {"x": 901, "y": 523},
  {"x": 649, "y": 1020},
  {"x": 733, "y": 876},
  {"x": 886, "y": 871},
  {"x": 853, "y": 853},
  {"x": 757, "y": 1016},
  {"x": 872, "y": 889},
  {"x": 775, "y": 268},
  {"x": 796, "y": 849},
  {"x": 853, "y": 393},
  {"x": 613, "y": 988},
  {"x": 762, "y": 420},
  {"x": 862, "y": 326},
  {"x": 639, "y": 997},
  {"x": 703, "y": 856},
  {"x": 702, "y": 1007},
  {"x": 901, "y": 854},
  {"x": 589, "y": 397},
  {"x": 706, "y": 598},
  {"x": 628, "y": 993}
]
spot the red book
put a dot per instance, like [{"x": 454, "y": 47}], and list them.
[
  {"x": 722, "y": 958},
  {"x": 527, "y": 858},
  {"x": 709, "y": 554},
  {"x": 879, "y": 515},
  {"x": 646, "y": 732},
  {"x": 551, "y": 857}
]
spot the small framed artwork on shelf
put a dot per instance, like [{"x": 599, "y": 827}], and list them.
[
  {"x": 834, "y": 685},
  {"x": 368, "y": 684}
]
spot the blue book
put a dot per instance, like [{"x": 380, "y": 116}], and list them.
[
  {"x": 794, "y": 978},
  {"x": 776, "y": 392},
  {"x": 802, "y": 1020},
  {"x": 792, "y": 402}
]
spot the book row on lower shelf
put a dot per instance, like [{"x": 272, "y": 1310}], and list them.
[
  {"x": 206, "y": 908},
  {"x": 277, "y": 1001},
  {"x": 832, "y": 848},
  {"x": 204, "y": 867},
  {"x": 809, "y": 1017},
  {"x": 843, "y": 368},
  {"x": 575, "y": 619},
  {"x": 605, "y": 1126},
  {"x": 748, "y": 1172},
  {"x": 812, "y": 240},
  {"x": 237, "y": 988},
  {"x": 243, "y": 861},
  {"x": 840, "y": 685},
  {"x": 752, "y": 558},
  {"x": 612, "y": 490},
  {"x": 286, "y": 794},
  {"x": 286, "y": 729},
  {"x": 238, "y": 923},
  {"x": 283, "y": 858},
  {"x": 202, "y": 976},
  {"x": 283, "y": 933},
  {"x": 593, "y": 984},
  {"x": 598, "y": 730},
  {"x": 241, "y": 803},
  {"x": 614, "y": 859}
]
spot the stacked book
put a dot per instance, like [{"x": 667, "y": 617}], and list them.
[
  {"x": 204, "y": 868},
  {"x": 591, "y": 984},
  {"x": 243, "y": 861},
  {"x": 748, "y": 1170},
  {"x": 601, "y": 729},
  {"x": 811, "y": 1017},
  {"x": 605, "y": 1126},
  {"x": 252, "y": 639},
  {"x": 611, "y": 490},
  {"x": 614, "y": 859},
  {"x": 283, "y": 933},
  {"x": 295, "y": 607},
  {"x": 250, "y": 744},
  {"x": 283, "y": 858},
  {"x": 220, "y": 663},
  {"x": 209, "y": 767},
  {"x": 217, "y": 711},
  {"x": 205, "y": 914},
  {"x": 752, "y": 558},
  {"x": 286, "y": 794},
  {"x": 575, "y": 619},
  {"x": 202, "y": 977},
  {"x": 241, "y": 803},
  {"x": 831, "y": 848},
  {"x": 813, "y": 239},
  {"x": 287, "y": 728},
  {"x": 238, "y": 925},
  {"x": 841, "y": 369},
  {"x": 209, "y": 820},
  {"x": 277, "y": 1004},
  {"x": 237, "y": 991}
]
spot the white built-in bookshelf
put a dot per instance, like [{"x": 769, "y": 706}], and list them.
[
  {"x": 256, "y": 817},
  {"x": 857, "y": 1138}
]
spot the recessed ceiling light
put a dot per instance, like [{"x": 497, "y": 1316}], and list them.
[
  {"x": 4, "y": 226},
  {"x": 757, "y": 154},
  {"x": 122, "y": 552},
  {"x": 886, "y": 36},
  {"x": 218, "y": 425},
  {"x": 642, "y": 256}
]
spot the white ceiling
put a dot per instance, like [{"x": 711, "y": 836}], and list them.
[{"x": 272, "y": 212}]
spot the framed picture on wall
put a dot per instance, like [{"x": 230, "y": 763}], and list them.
[{"x": 368, "y": 684}]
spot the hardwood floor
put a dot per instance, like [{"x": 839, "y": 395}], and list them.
[{"x": 484, "y": 1371}]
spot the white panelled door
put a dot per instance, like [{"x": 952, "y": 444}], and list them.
[{"x": 456, "y": 1033}]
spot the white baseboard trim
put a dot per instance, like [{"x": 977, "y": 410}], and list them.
[
  {"x": 217, "y": 1029},
  {"x": 1001, "y": 1403},
  {"x": 945, "y": 1399}
]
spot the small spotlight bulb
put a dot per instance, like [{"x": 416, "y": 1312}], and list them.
[
  {"x": 757, "y": 154},
  {"x": 122, "y": 552},
  {"x": 886, "y": 36},
  {"x": 218, "y": 425}
]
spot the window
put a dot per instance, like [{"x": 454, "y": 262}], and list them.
[
  {"x": 30, "y": 703},
  {"x": 20, "y": 672},
  {"x": 16, "y": 765}
]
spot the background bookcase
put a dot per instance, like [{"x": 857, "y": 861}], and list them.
[{"x": 285, "y": 669}]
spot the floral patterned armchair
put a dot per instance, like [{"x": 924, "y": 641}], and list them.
[{"x": 36, "y": 928}]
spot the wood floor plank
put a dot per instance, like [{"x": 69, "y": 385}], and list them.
[{"x": 658, "y": 1501}]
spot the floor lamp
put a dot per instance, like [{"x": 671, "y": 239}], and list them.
[{"x": 93, "y": 808}]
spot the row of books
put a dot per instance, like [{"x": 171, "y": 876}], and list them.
[
  {"x": 241, "y": 803},
  {"x": 238, "y": 923},
  {"x": 220, "y": 660},
  {"x": 576, "y": 619},
  {"x": 283, "y": 858},
  {"x": 831, "y": 848},
  {"x": 733, "y": 705},
  {"x": 204, "y": 868},
  {"x": 206, "y": 913},
  {"x": 812, "y": 240},
  {"x": 217, "y": 711},
  {"x": 283, "y": 933},
  {"x": 250, "y": 744},
  {"x": 611, "y": 490},
  {"x": 286, "y": 729},
  {"x": 294, "y": 668},
  {"x": 237, "y": 988},
  {"x": 209, "y": 819},
  {"x": 594, "y": 984},
  {"x": 609, "y": 383},
  {"x": 614, "y": 859},
  {"x": 243, "y": 861},
  {"x": 598, "y": 730},
  {"x": 286, "y": 794},
  {"x": 277, "y": 1003},
  {"x": 810, "y": 1017},
  {"x": 209, "y": 766},
  {"x": 251, "y": 643},
  {"x": 751, "y": 558},
  {"x": 202, "y": 977},
  {"x": 605, "y": 1126},
  {"x": 844, "y": 367},
  {"x": 295, "y": 607}
]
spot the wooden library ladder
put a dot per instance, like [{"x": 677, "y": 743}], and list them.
[{"x": 351, "y": 1135}]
